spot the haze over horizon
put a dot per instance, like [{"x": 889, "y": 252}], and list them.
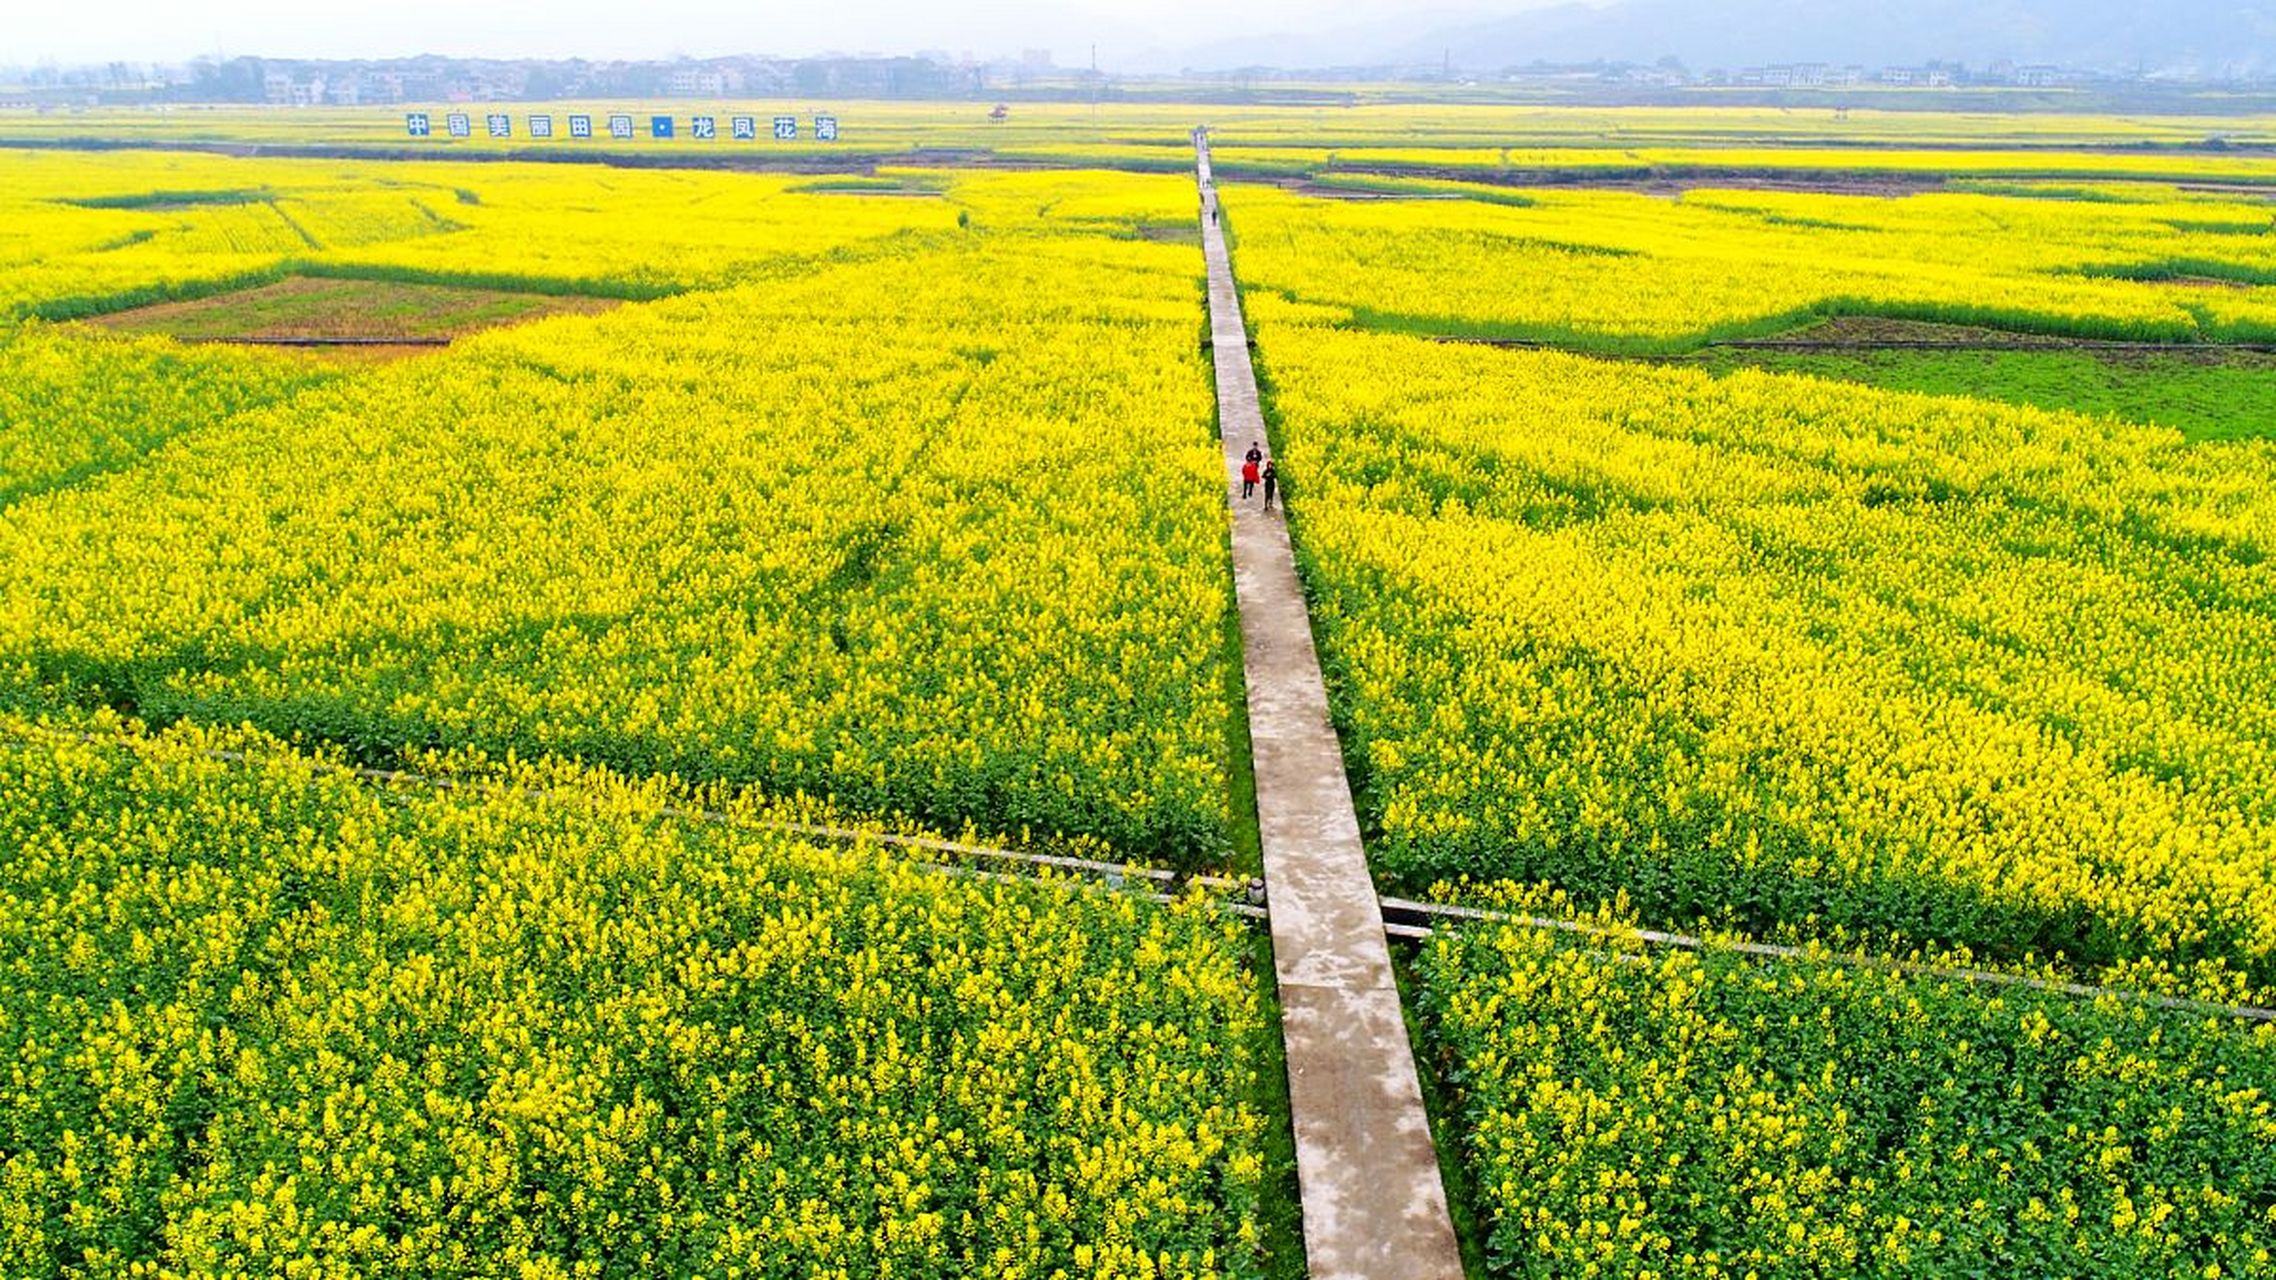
[
  {"x": 1125, "y": 31},
  {"x": 2188, "y": 38}
]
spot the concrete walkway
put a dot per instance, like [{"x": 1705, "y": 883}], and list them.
[{"x": 1373, "y": 1202}]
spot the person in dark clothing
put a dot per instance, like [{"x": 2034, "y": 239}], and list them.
[
  {"x": 1248, "y": 479},
  {"x": 1255, "y": 456},
  {"x": 1271, "y": 484}
]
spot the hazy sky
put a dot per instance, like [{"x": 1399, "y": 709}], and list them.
[{"x": 78, "y": 31}]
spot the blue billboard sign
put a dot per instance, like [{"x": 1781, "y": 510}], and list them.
[{"x": 622, "y": 127}]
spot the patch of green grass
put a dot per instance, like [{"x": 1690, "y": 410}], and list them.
[
  {"x": 165, "y": 201},
  {"x": 1248, "y": 839},
  {"x": 1164, "y": 233},
  {"x": 854, "y": 184},
  {"x": 1564, "y": 337},
  {"x": 1476, "y": 193},
  {"x": 1280, "y": 1208},
  {"x": 2210, "y": 271},
  {"x": 1442, "y": 1104},
  {"x": 2205, "y": 396}
]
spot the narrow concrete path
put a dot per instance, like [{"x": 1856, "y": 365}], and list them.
[{"x": 1373, "y": 1203}]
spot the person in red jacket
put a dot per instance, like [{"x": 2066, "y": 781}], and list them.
[{"x": 1248, "y": 479}]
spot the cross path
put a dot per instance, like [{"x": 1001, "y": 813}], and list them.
[{"x": 1373, "y": 1202}]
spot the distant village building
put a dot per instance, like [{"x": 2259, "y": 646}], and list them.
[
  {"x": 283, "y": 89},
  {"x": 705, "y": 82},
  {"x": 1917, "y": 77},
  {"x": 1667, "y": 77}
]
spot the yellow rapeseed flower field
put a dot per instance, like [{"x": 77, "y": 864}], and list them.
[
  {"x": 88, "y": 233},
  {"x": 1625, "y": 271},
  {"x": 1894, "y": 676},
  {"x": 264, "y": 1018},
  {"x": 890, "y": 492},
  {"x": 1703, "y": 1115},
  {"x": 932, "y": 529},
  {"x": 72, "y": 408},
  {"x": 1783, "y": 652},
  {"x": 1529, "y": 158}
]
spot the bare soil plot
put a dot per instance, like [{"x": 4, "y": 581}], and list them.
[
  {"x": 1665, "y": 183},
  {"x": 370, "y": 312},
  {"x": 1868, "y": 333},
  {"x": 1882, "y": 331}
]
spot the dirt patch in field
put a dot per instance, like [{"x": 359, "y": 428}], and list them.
[
  {"x": 1874, "y": 331},
  {"x": 883, "y": 193},
  {"x": 1880, "y": 333},
  {"x": 1854, "y": 336},
  {"x": 2204, "y": 282},
  {"x": 1668, "y": 183},
  {"x": 371, "y": 312},
  {"x": 2237, "y": 190},
  {"x": 854, "y": 184},
  {"x": 1324, "y": 191}
]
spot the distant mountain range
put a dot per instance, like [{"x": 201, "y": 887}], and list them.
[{"x": 2191, "y": 37}]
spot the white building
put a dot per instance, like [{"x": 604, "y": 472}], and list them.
[{"x": 705, "y": 82}]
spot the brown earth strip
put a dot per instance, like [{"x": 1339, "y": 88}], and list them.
[
  {"x": 1880, "y": 333},
  {"x": 321, "y": 309}
]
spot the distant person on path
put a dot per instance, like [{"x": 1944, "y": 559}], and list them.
[
  {"x": 1255, "y": 456},
  {"x": 1248, "y": 479},
  {"x": 1271, "y": 484}
]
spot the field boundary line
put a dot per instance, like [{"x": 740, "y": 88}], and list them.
[
  {"x": 312, "y": 340},
  {"x": 1400, "y": 912},
  {"x": 2057, "y": 346},
  {"x": 1113, "y": 873},
  {"x": 1405, "y": 918},
  {"x": 1369, "y": 1184}
]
